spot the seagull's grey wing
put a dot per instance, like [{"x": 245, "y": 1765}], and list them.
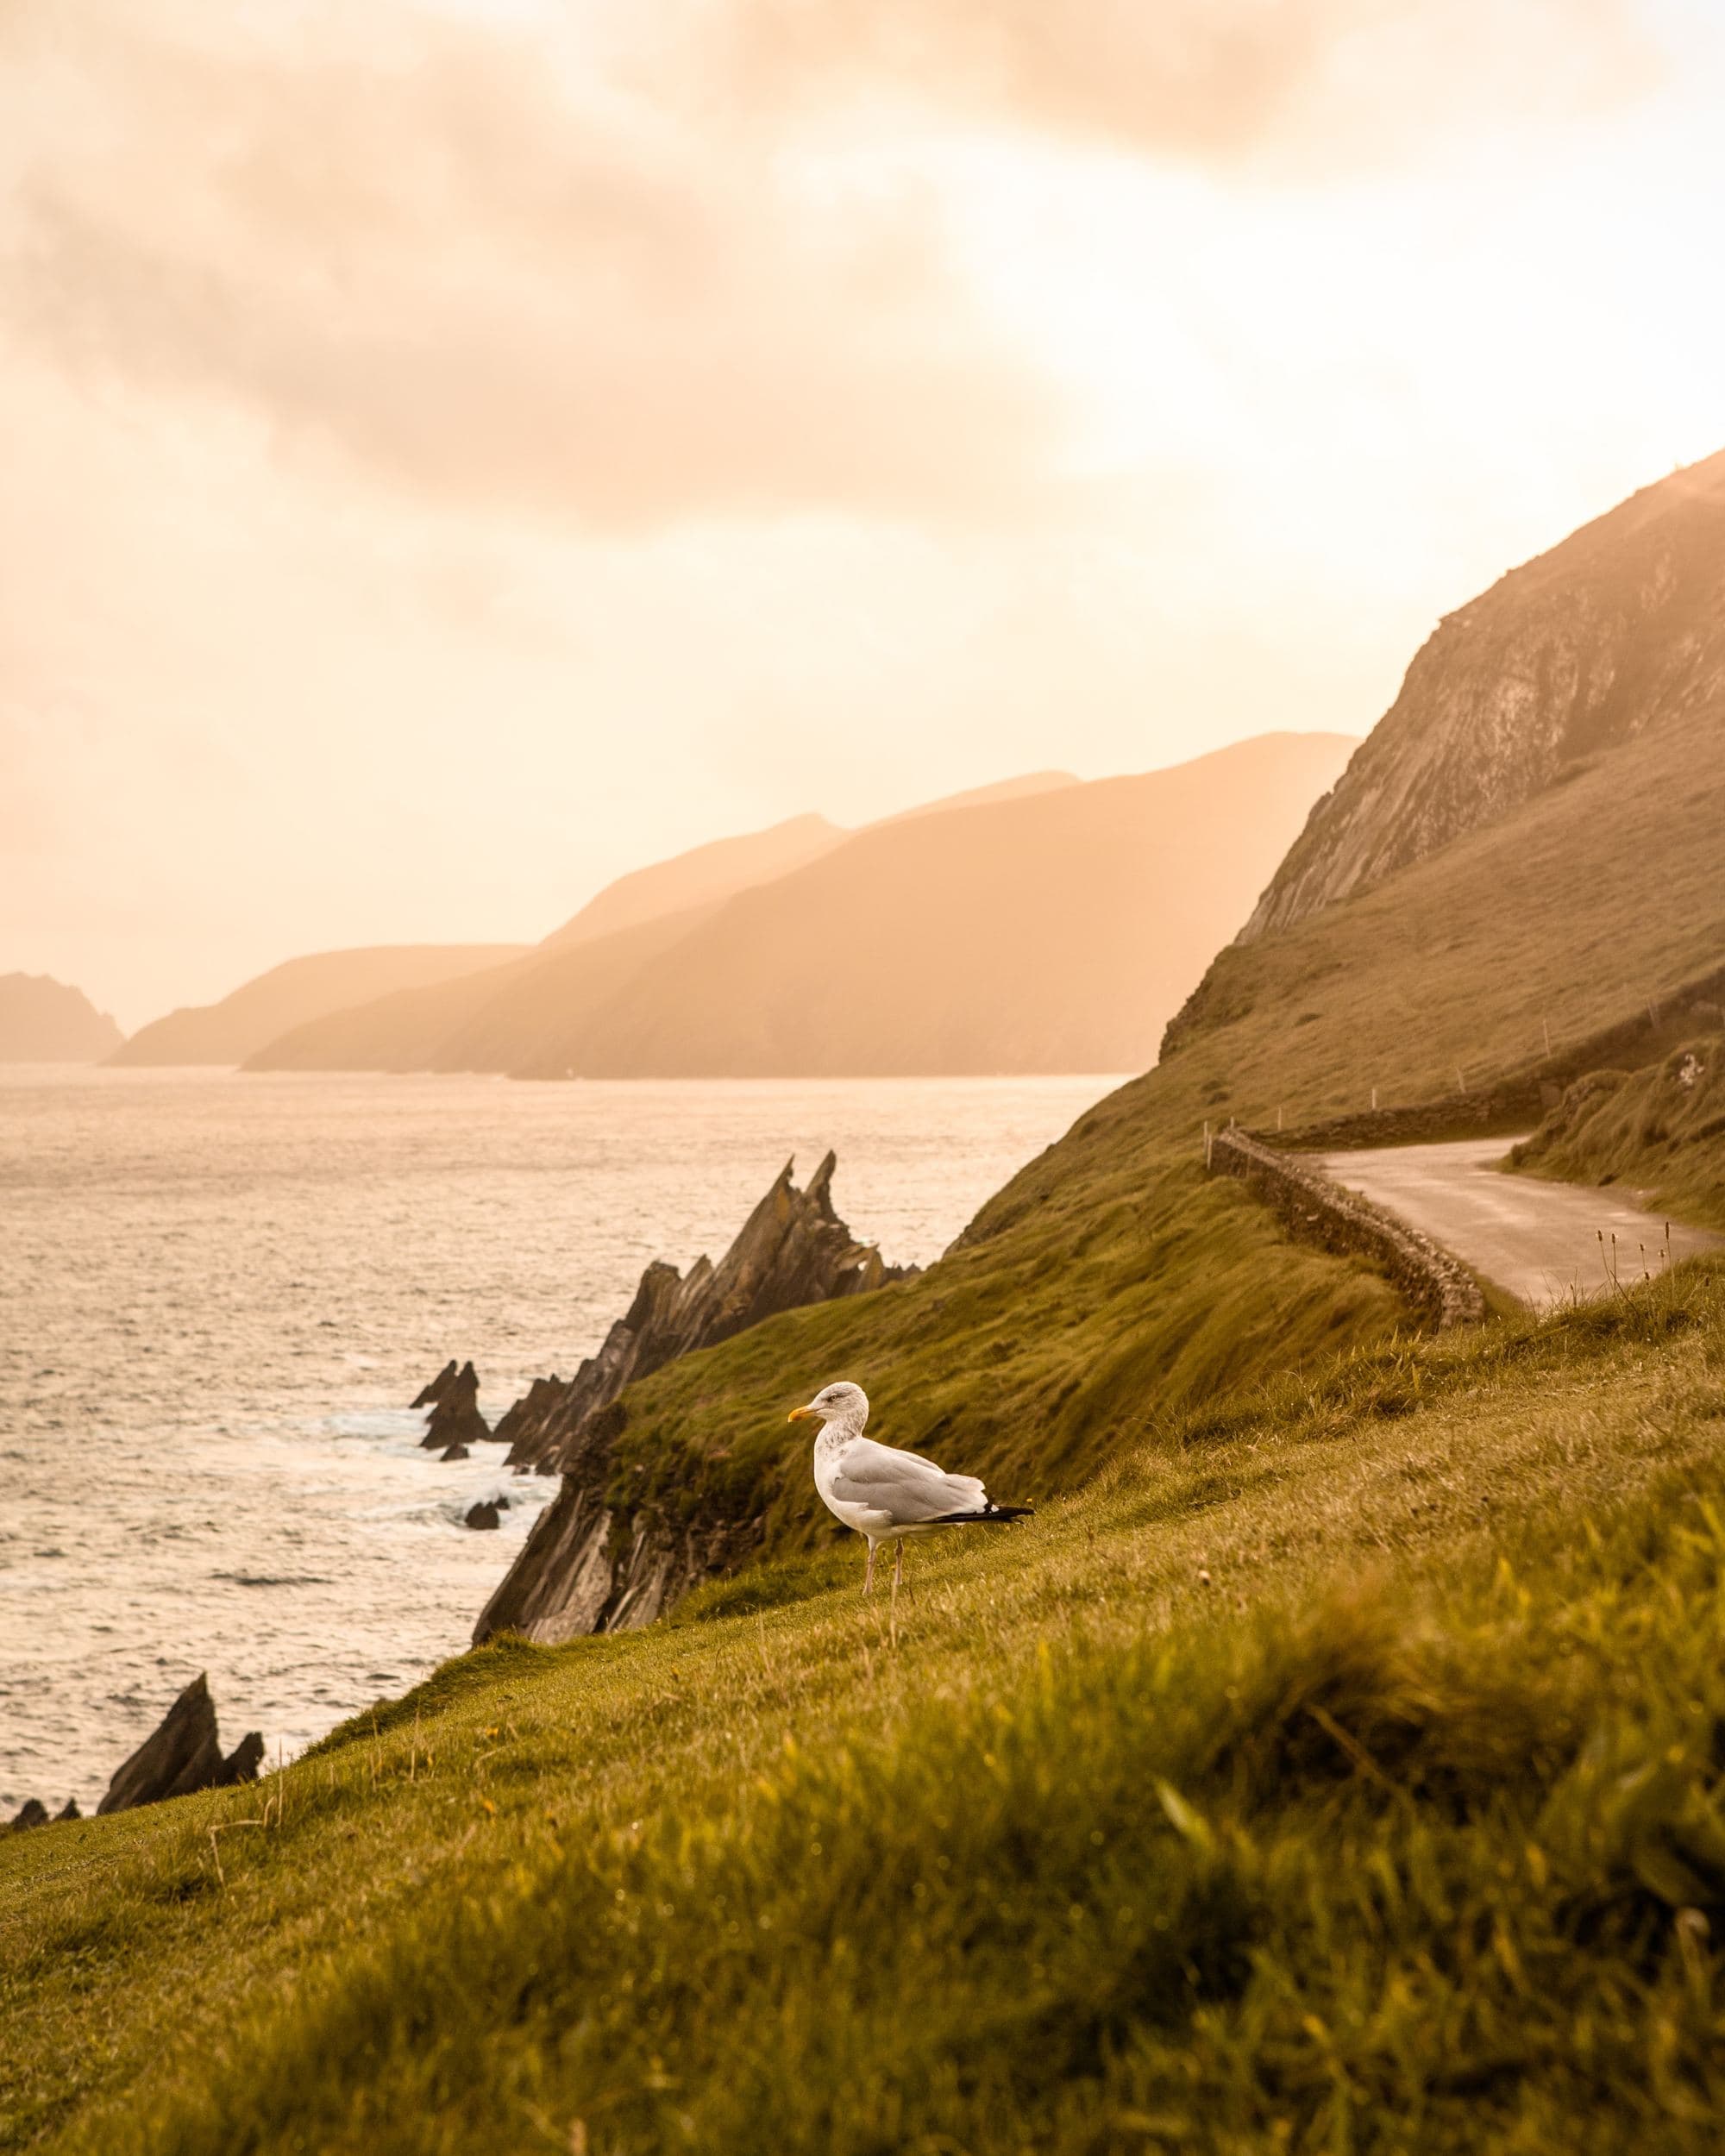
[{"x": 908, "y": 1488}]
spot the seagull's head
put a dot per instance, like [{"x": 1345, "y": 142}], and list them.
[{"x": 835, "y": 1403}]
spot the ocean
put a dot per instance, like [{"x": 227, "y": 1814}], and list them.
[{"x": 218, "y": 1292}]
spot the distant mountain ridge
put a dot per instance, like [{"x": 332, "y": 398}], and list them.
[
  {"x": 1045, "y": 925},
  {"x": 43, "y": 1020},
  {"x": 299, "y": 990},
  {"x": 699, "y": 877},
  {"x": 1618, "y": 631}
]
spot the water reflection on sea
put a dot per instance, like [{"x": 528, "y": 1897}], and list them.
[{"x": 217, "y": 1292}]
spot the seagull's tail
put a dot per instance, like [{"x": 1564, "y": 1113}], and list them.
[{"x": 989, "y": 1516}]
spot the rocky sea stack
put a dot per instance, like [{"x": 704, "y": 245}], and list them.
[
  {"x": 183, "y": 1754},
  {"x": 455, "y": 1421}
]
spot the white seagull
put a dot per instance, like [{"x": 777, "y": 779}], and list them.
[{"x": 882, "y": 1492}]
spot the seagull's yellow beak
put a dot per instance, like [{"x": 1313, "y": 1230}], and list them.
[{"x": 802, "y": 1414}]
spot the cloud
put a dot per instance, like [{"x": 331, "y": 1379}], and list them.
[
  {"x": 449, "y": 254},
  {"x": 1325, "y": 84}
]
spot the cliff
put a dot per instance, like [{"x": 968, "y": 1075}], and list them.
[
  {"x": 1615, "y": 634},
  {"x": 44, "y": 1021},
  {"x": 302, "y": 989},
  {"x": 587, "y": 1565}
]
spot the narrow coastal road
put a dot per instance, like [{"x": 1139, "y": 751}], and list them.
[{"x": 1539, "y": 1240}]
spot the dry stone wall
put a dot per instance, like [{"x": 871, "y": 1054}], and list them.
[{"x": 1316, "y": 1210}]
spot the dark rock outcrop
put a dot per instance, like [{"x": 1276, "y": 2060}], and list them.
[
  {"x": 68, "y": 1810},
  {"x": 428, "y": 1396},
  {"x": 1618, "y": 631},
  {"x": 242, "y": 1763},
  {"x": 453, "y": 1396},
  {"x": 582, "y": 1570},
  {"x": 181, "y": 1755},
  {"x": 794, "y": 1250},
  {"x": 31, "y": 1813},
  {"x": 483, "y": 1515},
  {"x": 455, "y": 1452}
]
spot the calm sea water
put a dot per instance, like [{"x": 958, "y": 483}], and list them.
[{"x": 218, "y": 1292}]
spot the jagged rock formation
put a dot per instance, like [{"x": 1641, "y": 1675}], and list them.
[
  {"x": 793, "y": 1248},
  {"x": 428, "y": 1396},
  {"x": 181, "y": 1755},
  {"x": 44, "y": 1021},
  {"x": 1618, "y": 631},
  {"x": 582, "y": 1570},
  {"x": 455, "y": 1421},
  {"x": 31, "y": 1813},
  {"x": 68, "y": 1810},
  {"x": 483, "y": 1515}
]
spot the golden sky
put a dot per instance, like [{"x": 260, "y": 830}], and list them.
[{"x": 455, "y": 452}]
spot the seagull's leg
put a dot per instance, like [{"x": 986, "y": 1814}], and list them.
[
  {"x": 899, "y": 1567},
  {"x": 869, "y": 1570}
]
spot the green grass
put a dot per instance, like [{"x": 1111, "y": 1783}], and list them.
[
  {"x": 1339, "y": 1772},
  {"x": 1660, "y": 1130}
]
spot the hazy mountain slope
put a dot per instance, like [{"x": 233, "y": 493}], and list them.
[
  {"x": 699, "y": 877},
  {"x": 483, "y": 1021},
  {"x": 980, "y": 796},
  {"x": 707, "y": 873},
  {"x": 1053, "y": 931},
  {"x": 300, "y": 990},
  {"x": 43, "y": 1020},
  {"x": 1607, "y": 638}
]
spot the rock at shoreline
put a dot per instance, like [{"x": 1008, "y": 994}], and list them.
[
  {"x": 454, "y": 1418},
  {"x": 69, "y": 1811},
  {"x": 582, "y": 1570},
  {"x": 428, "y": 1396},
  {"x": 455, "y": 1452},
  {"x": 242, "y": 1763},
  {"x": 31, "y": 1813},
  {"x": 483, "y": 1515},
  {"x": 181, "y": 1755}
]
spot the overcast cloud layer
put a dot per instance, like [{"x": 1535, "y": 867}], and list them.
[{"x": 458, "y": 451}]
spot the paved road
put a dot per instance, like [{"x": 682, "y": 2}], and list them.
[{"x": 1540, "y": 1240}]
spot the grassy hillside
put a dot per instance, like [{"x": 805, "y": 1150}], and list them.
[
  {"x": 300, "y": 991},
  {"x": 1660, "y": 1130},
  {"x": 1347, "y": 1776}
]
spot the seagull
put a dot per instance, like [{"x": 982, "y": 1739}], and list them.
[{"x": 882, "y": 1492}]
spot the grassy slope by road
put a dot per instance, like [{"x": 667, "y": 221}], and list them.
[
  {"x": 1660, "y": 1130},
  {"x": 1347, "y": 1777}
]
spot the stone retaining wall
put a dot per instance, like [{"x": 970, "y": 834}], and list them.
[{"x": 1316, "y": 1210}]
